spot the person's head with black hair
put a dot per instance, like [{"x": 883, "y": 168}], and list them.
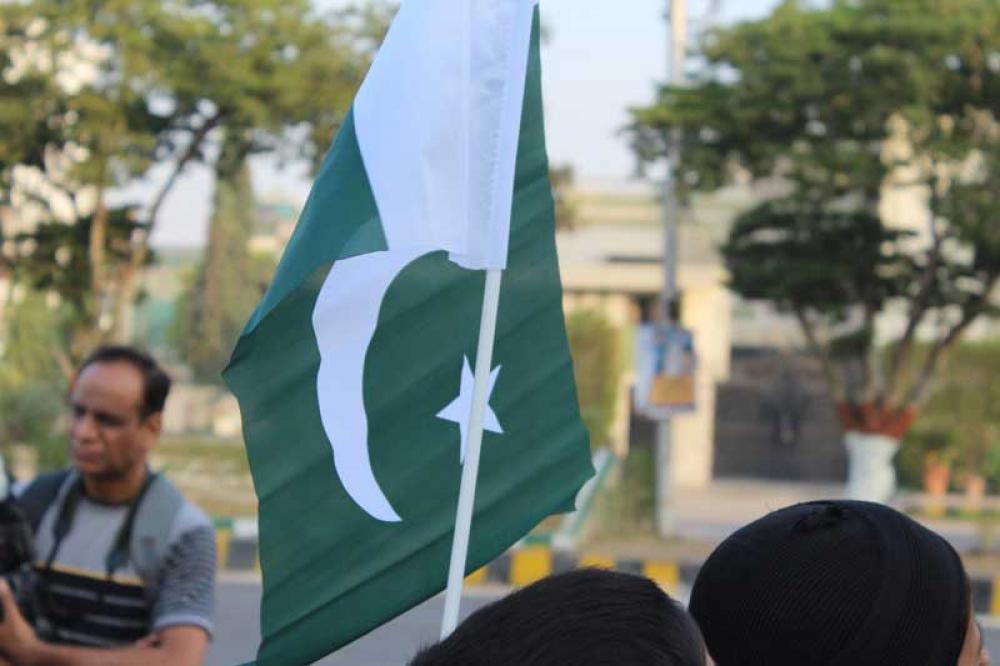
[
  {"x": 836, "y": 583},
  {"x": 155, "y": 380},
  {"x": 117, "y": 399},
  {"x": 588, "y": 617}
]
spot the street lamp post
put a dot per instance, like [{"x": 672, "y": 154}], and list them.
[{"x": 677, "y": 17}]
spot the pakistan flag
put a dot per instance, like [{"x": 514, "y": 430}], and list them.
[{"x": 354, "y": 374}]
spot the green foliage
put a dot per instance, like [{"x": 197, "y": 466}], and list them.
[
  {"x": 836, "y": 101},
  {"x": 29, "y": 413},
  {"x": 991, "y": 470},
  {"x": 32, "y": 335},
  {"x": 596, "y": 350},
  {"x": 966, "y": 404},
  {"x": 920, "y": 445},
  {"x": 95, "y": 94},
  {"x": 627, "y": 506},
  {"x": 228, "y": 282},
  {"x": 810, "y": 90},
  {"x": 54, "y": 259},
  {"x": 797, "y": 255},
  {"x": 961, "y": 422},
  {"x": 32, "y": 380},
  {"x": 212, "y": 473}
]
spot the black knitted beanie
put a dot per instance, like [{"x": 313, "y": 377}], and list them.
[{"x": 835, "y": 583}]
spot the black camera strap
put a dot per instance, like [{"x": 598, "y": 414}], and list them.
[{"x": 118, "y": 556}]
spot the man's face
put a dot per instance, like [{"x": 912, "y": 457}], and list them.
[{"x": 109, "y": 437}]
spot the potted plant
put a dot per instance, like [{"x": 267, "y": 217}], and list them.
[
  {"x": 974, "y": 440},
  {"x": 966, "y": 405},
  {"x": 938, "y": 456}
]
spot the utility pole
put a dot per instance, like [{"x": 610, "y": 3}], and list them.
[{"x": 677, "y": 17}]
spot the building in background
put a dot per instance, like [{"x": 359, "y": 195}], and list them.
[
  {"x": 612, "y": 261},
  {"x": 764, "y": 408}
]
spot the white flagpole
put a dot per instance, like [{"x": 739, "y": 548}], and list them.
[{"x": 470, "y": 470}]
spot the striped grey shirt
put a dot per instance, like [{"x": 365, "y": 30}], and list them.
[{"x": 168, "y": 579}]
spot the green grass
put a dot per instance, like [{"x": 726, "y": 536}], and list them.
[
  {"x": 214, "y": 474},
  {"x": 956, "y": 513},
  {"x": 227, "y": 453}
]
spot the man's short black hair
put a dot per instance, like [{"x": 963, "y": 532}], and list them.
[
  {"x": 155, "y": 381},
  {"x": 588, "y": 617}
]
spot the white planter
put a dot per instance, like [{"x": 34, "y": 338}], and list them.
[{"x": 870, "y": 473}]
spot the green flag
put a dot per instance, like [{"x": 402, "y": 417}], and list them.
[{"x": 354, "y": 373}]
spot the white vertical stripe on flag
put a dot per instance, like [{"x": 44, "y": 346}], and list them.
[{"x": 438, "y": 120}]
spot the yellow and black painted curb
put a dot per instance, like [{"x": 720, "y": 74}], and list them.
[
  {"x": 236, "y": 552},
  {"x": 517, "y": 567},
  {"x": 523, "y": 566},
  {"x": 986, "y": 594}
]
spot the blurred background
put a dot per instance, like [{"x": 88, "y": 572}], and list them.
[{"x": 827, "y": 174}]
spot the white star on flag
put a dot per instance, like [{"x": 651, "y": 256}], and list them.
[{"x": 460, "y": 408}]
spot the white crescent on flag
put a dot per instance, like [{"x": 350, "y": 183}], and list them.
[{"x": 437, "y": 121}]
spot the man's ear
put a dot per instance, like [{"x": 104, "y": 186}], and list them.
[{"x": 154, "y": 424}]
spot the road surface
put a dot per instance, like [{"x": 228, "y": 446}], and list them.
[
  {"x": 237, "y": 620},
  {"x": 238, "y": 629}
]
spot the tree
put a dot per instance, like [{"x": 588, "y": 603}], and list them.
[
  {"x": 84, "y": 130},
  {"x": 226, "y": 286},
  {"x": 96, "y": 94},
  {"x": 315, "y": 89},
  {"x": 845, "y": 105}
]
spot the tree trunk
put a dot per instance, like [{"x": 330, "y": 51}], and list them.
[
  {"x": 123, "y": 307},
  {"x": 872, "y": 435}
]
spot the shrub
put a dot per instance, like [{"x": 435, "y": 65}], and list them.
[
  {"x": 961, "y": 421},
  {"x": 595, "y": 347}
]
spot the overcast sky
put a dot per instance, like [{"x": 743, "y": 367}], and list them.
[{"x": 601, "y": 58}]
